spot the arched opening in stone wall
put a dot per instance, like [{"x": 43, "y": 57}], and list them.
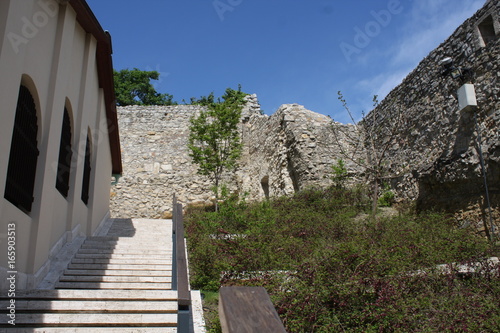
[
  {"x": 487, "y": 30},
  {"x": 265, "y": 186},
  {"x": 293, "y": 175}
]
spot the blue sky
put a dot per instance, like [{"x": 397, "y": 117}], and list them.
[{"x": 285, "y": 51}]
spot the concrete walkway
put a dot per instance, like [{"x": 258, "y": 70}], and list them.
[{"x": 117, "y": 282}]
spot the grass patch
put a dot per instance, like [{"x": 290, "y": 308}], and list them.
[
  {"x": 210, "y": 310},
  {"x": 327, "y": 269}
]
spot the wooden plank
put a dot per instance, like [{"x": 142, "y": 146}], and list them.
[{"x": 248, "y": 310}]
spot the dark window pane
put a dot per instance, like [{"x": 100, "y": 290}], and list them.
[{"x": 23, "y": 153}]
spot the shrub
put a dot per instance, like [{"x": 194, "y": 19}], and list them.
[
  {"x": 328, "y": 270},
  {"x": 387, "y": 197}
]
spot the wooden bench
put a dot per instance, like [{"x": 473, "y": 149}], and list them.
[{"x": 248, "y": 310}]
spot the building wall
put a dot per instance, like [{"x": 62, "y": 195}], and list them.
[{"x": 44, "y": 48}]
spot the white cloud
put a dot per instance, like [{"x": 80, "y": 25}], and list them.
[
  {"x": 431, "y": 22},
  {"x": 420, "y": 29},
  {"x": 382, "y": 84}
]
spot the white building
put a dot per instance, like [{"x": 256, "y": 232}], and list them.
[{"x": 59, "y": 143}]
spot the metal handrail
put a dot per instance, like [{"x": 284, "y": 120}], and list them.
[{"x": 180, "y": 280}]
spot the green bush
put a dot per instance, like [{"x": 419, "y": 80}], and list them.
[{"x": 387, "y": 197}]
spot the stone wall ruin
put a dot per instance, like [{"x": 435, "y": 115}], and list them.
[{"x": 434, "y": 160}]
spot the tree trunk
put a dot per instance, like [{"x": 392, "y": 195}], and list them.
[
  {"x": 374, "y": 199},
  {"x": 216, "y": 190}
]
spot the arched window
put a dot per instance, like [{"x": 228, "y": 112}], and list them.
[
  {"x": 65, "y": 154},
  {"x": 86, "y": 172},
  {"x": 23, "y": 153}
]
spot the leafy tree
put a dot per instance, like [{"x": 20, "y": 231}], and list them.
[
  {"x": 204, "y": 100},
  {"x": 133, "y": 87},
  {"x": 214, "y": 140}
]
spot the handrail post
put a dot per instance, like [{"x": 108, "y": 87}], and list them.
[
  {"x": 180, "y": 270},
  {"x": 174, "y": 244}
]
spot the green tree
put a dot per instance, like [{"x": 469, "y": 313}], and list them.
[
  {"x": 214, "y": 139},
  {"x": 133, "y": 87}
]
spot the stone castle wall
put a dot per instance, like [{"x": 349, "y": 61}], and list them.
[
  {"x": 155, "y": 161},
  {"x": 288, "y": 151},
  {"x": 433, "y": 160},
  {"x": 282, "y": 153}
]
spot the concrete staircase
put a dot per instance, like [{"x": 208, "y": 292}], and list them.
[{"x": 120, "y": 282}]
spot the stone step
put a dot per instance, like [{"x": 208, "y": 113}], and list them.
[
  {"x": 115, "y": 329},
  {"x": 125, "y": 251},
  {"x": 63, "y": 294},
  {"x": 110, "y": 272},
  {"x": 112, "y": 285},
  {"x": 122, "y": 231},
  {"x": 93, "y": 330},
  {"x": 106, "y": 278},
  {"x": 152, "y": 234},
  {"x": 125, "y": 261},
  {"x": 152, "y": 231},
  {"x": 150, "y": 246},
  {"x": 90, "y": 306},
  {"x": 121, "y": 256},
  {"x": 159, "y": 241},
  {"x": 124, "y": 267},
  {"x": 76, "y": 320},
  {"x": 159, "y": 238}
]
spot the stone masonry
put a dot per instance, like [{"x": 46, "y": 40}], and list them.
[
  {"x": 282, "y": 153},
  {"x": 434, "y": 160}
]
